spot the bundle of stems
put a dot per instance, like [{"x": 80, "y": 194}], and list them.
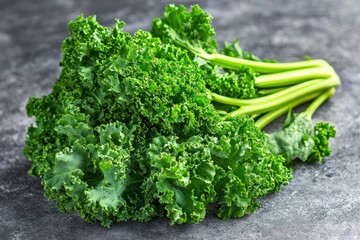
[{"x": 281, "y": 87}]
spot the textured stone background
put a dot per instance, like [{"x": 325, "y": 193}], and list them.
[{"x": 322, "y": 202}]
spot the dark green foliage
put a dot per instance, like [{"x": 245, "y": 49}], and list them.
[
  {"x": 191, "y": 30},
  {"x": 322, "y": 133},
  {"x": 246, "y": 169},
  {"x": 237, "y": 84},
  {"x": 129, "y": 133},
  {"x": 182, "y": 177}
]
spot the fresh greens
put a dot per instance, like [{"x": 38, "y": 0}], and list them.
[
  {"x": 137, "y": 126},
  {"x": 238, "y": 83},
  {"x": 193, "y": 31}
]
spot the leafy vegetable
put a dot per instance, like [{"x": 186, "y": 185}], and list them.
[
  {"x": 129, "y": 132},
  {"x": 138, "y": 126},
  {"x": 193, "y": 31},
  {"x": 239, "y": 83}
]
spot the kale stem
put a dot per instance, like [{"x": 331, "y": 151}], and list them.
[
  {"x": 221, "y": 112},
  {"x": 318, "y": 101},
  {"x": 268, "y": 91},
  {"x": 274, "y": 114},
  {"x": 278, "y": 95},
  {"x": 255, "y": 115},
  {"x": 293, "y": 77},
  {"x": 228, "y": 100},
  {"x": 274, "y": 103},
  {"x": 261, "y": 67}
]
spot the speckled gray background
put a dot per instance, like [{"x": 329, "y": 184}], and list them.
[{"x": 322, "y": 202}]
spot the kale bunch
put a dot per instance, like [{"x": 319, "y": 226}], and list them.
[
  {"x": 160, "y": 123},
  {"x": 129, "y": 132}
]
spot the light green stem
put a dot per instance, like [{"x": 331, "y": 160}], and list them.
[
  {"x": 221, "y": 112},
  {"x": 268, "y": 91},
  {"x": 278, "y": 95},
  {"x": 279, "y": 102},
  {"x": 228, "y": 100},
  {"x": 255, "y": 115},
  {"x": 235, "y": 63},
  {"x": 274, "y": 114},
  {"x": 261, "y": 67},
  {"x": 318, "y": 101},
  {"x": 293, "y": 77}
]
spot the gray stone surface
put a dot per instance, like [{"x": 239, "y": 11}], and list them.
[{"x": 322, "y": 202}]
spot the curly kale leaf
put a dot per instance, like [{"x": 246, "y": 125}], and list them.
[
  {"x": 191, "y": 30},
  {"x": 237, "y": 84},
  {"x": 300, "y": 140},
  {"x": 294, "y": 141},
  {"x": 247, "y": 170},
  {"x": 91, "y": 175},
  {"x": 182, "y": 177},
  {"x": 322, "y": 133}
]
